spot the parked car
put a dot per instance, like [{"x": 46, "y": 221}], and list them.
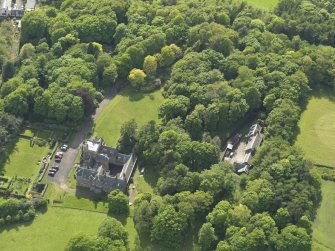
[
  {"x": 56, "y": 166},
  {"x": 64, "y": 148},
  {"x": 53, "y": 170},
  {"x": 51, "y": 174},
  {"x": 58, "y": 160},
  {"x": 42, "y": 170},
  {"x": 60, "y": 154}
]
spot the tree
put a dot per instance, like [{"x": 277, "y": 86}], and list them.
[
  {"x": 169, "y": 227},
  {"x": 168, "y": 56},
  {"x": 136, "y": 78},
  {"x": 282, "y": 217},
  {"x": 95, "y": 28},
  {"x": 127, "y": 139},
  {"x": 113, "y": 229},
  {"x": 206, "y": 236},
  {"x": 109, "y": 75},
  {"x": 172, "y": 108},
  {"x": 27, "y": 51},
  {"x": 80, "y": 242},
  {"x": 150, "y": 65},
  {"x": 8, "y": 70},
  {"x": 10, "y": 86},
  {"x": 104, "y": 60},
  {"x": 76, "y": 109},
  {"x": 294, "y": 238},
  {"x": 118, "y": 202},
  {"x": 16, "y": 102},
  {"x": 34, "y": 26}
]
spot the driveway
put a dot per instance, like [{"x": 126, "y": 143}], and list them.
[{"x": 68, "y": 161}]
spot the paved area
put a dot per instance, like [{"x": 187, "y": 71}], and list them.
[
  {"x": 239, "y": 153},
  {"x": 68, "y": 161}
]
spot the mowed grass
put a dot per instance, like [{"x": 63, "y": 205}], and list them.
[
  {"x": 263, "y": 4},
  {"x": 50, "y": 231},
  {"x": 323, "y": 226},
  {"x": 23, "y": 159},
  {"x": 128, "y": 104},
  {"x": 316, "y": 138},
  {"x": 317, "y": 131}
]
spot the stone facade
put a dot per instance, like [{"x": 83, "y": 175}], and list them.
[{"x": 103, "y": 169}]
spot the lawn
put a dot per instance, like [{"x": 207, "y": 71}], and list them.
[
  {"x": 51, "y": 230},
  {"x": 23, "y": 159},
  {"x": 316, "y": 138},
  {"x": 263, "y": 4},
  {"x": 324, "y": 227},
  {"x": 127, "y": 105},
  {"x": 317, "y": 130}
]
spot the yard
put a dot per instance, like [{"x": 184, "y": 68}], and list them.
[
  {"x": 127, "y": 105},
  {"x": 23, "y": 160},
  {"x": 315, "y": 138},
  {"x": 47, "y": 231}
]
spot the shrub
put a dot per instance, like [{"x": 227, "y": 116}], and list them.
[
  {"x": 26, "y": 217},
  {"x": 8, "y": 219}
]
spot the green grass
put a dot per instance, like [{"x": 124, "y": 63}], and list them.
[
  {"x": 51, "y": 230},
  {"x": 324, "y": 227},
  {"x": 316, "y": 138},
  {"x": 23, "y": 159},
  {"x": 317, "y": 130},
  {"x": 127, "y": 105},
  {"x": 263, "y": 4}
]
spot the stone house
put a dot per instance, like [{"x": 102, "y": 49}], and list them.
[{"x": 103, "y": 169}]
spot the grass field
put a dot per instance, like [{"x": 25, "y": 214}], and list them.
[
  {"x": 127, "y": 105},
  {"x": 324, "y": 227},
  {"x": 316, "y": 138},
  {"x": 23, "y": 159},
  {"x": 50, "y": 231},
  {"x": 317, "y": 130},
  {"x": 263, "y": 4}
]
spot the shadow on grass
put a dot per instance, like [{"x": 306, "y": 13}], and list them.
[
  {"x": 134, "y": 95},
  {"x": 322, "y": 91},
  {"x": 16, "y": 226},
  {"x": 5, "y": 157},
  {"x": 151, "y": 176}
]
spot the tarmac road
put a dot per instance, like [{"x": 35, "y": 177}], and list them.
[{"x": 68, "y": 161}]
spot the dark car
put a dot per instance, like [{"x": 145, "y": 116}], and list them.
[
  {"x": 55, "y": 167},
  {"x": 51, "y": 174},
  {"x": 42, "y": 170},
  {"x": 58, "y": 160},
  {"x": 53, "y": 170}
]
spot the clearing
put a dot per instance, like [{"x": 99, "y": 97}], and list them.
[
  {"x": 263, "y": 4},
  {"x": 46, "y": 232},
  {"x": 316, "y": 138},
  {"x": 317, "y": 130},
  {"x": 128, "y": 104}
]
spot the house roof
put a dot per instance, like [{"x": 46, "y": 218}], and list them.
[
  {"x": 254, "y": 129},
  {"x": 30, "y": 4},
  {"x": 254, "y": 142}
]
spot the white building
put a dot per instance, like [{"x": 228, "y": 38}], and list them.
[{"x": 6, "y": 6}]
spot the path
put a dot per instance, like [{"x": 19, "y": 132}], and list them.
[{"x": 68, "y": 161}]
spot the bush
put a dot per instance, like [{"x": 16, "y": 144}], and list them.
[
  {"x": 8, "y": 219},
  {"x": 26, "y": 217},
  {"x": 2, "y": 222}
]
